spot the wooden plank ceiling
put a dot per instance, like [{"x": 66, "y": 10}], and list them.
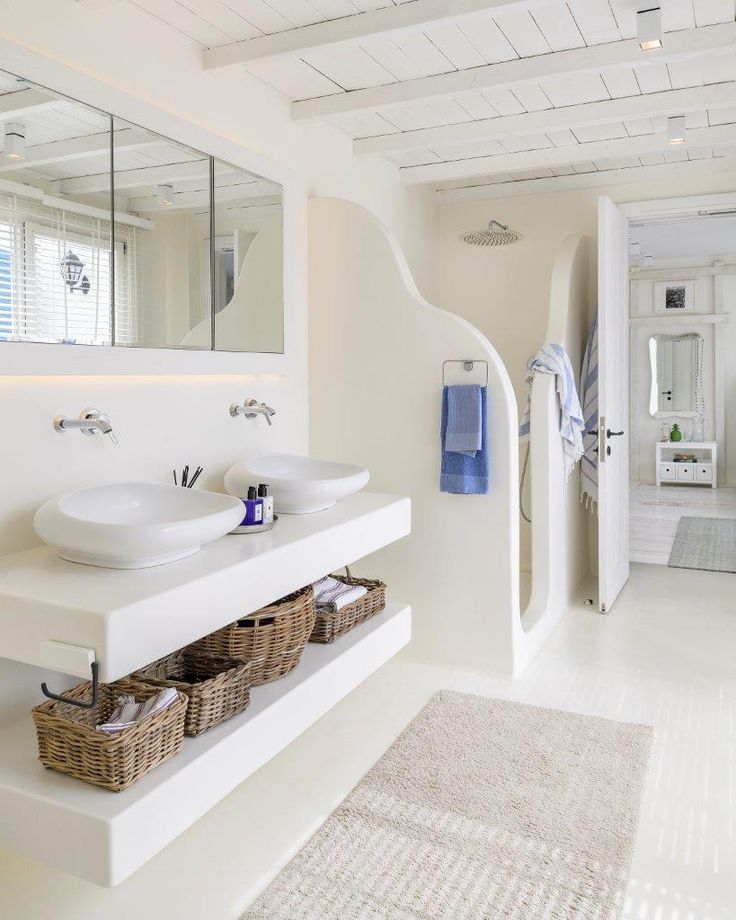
[{"x": 490, "y": 97}]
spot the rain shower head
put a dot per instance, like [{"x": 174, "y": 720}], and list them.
[{"x": 497, "y": 234}]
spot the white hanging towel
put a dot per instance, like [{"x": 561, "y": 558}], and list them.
[
  {"x": 589, "y": 396},
  {"x": 553, "y": 359}
]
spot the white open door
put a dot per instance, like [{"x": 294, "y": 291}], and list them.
[{"x": 613, "y": 402}]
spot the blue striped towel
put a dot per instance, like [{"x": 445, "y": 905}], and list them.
[
  {"x": 553, "y": 359},
  {"x": 589, "y": 396},
  {"x": 464, "y": 472}
]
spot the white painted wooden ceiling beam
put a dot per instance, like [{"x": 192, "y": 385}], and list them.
[
  {"x": 648, "y": 105},
  {"x": 669, "y": 172},
  {"x": 679, "y": 46},
  {"x": 550, "y": 157},
  {"x": 77, "y": 147},
  {"x": 384, "y": 21},
  {"x": 26, "y": 102}
]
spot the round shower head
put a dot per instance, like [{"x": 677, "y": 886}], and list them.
[{"x": 496, "y": 235}]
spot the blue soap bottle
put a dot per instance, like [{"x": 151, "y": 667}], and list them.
[{"x": 253, "y": 508}]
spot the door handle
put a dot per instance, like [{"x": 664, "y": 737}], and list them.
[
  {"x": 613, "y": 434},
  {"x": 666, "y": 392}
]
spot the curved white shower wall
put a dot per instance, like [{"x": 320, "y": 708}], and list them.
[
  {"x": 559, "y": 519},
  {"x": 376, "y": 353}
]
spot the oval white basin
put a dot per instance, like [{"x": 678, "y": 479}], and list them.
[
  {"x": 299, "y": 485},
  {"x": 133, "y": 525}
]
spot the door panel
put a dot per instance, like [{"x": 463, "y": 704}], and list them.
[{"x": 613, "y": 402}]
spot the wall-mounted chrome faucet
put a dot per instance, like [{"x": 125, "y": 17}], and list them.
[
  {"x": 251, "y": 408},
  {"x": 90, "y": 422}
]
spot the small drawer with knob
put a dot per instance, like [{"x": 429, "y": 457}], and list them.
[
  {"x": 667, "y": 471},
  {"x": 704, "y": 472},
  {"x": 685, "y": 472}
]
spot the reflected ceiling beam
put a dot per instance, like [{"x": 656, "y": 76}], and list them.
[
  {"x": 131, "y": 178},
  {"x": 78, "y": 147},
  {"x": 670, "y": 171},
  {"x": 551, "y": 157},
  {"x": 231, "y": 194},
  {"x": 679, "y": 46},
  {"x": 649, "y": 105},
  {"x": 388, "y": 20},
  {"x": 31, "y": 193},
  {"x": 26, "y": 102}
]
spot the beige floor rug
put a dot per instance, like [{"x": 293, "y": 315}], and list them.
[{"x": 481, "y": 810}]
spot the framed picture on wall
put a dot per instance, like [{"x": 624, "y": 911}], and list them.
[{"x": 675, "y": 296}]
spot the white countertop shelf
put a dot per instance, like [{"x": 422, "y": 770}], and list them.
[
  {"x": 104, "y": 836},
  {"x": 130, "y": 618}
]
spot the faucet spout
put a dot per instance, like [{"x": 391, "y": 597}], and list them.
[
  {"x": 251, "y": 408},
  {"x": 90, "y": 422}
]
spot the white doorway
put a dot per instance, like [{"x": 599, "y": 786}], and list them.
[{"x": 679, "y": 267}]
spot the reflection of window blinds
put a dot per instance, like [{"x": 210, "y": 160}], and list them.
[{"x": 41, "y": 299}]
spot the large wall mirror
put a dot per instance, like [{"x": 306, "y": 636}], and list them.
[
  {"x": 111, "y": 234},
  {"x": 676, "y": 363}
]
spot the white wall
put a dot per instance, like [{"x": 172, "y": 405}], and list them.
[{"x": 505, "y": 291}]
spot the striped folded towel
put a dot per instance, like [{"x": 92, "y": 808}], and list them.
[
  {"x": 329, "y": 592},
  {"x": 128, "y": 713}
]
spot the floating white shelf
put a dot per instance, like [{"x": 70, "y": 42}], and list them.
[
  {"x": 104, "y": 836},
  {"x": 129, "y": 618}
]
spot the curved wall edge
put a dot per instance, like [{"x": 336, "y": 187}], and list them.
[
  {"x": 376, "y": 353},
  {"x": 559, "y": 523}
]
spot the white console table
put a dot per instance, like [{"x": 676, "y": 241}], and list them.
[{"x": 704, "y": 472}]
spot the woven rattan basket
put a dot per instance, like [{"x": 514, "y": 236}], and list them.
[
  {"x": 271, "y": 639},
  {"x": 217, "y": 688},
  {"x": 330, "y": 623},
  {"x": 68, "y": 742}
]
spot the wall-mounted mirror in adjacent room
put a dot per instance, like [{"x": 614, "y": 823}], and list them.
[{"x": 676, "y": 363}]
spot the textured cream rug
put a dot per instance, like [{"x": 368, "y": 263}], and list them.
[{"x": 482, "y": 809}]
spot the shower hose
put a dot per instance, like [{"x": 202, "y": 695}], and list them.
[{"x": 521, "y": 485}]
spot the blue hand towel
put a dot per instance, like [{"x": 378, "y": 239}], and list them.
[
  {"x": 461, "y": 473},
  {"x": 464, "y": 432}
]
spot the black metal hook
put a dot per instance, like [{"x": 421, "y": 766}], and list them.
[{"x": 65, "y": 699}]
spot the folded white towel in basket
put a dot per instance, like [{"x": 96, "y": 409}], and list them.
[
  {"x": 329, "y": 592},
  {"x": 128, "y": 713}
]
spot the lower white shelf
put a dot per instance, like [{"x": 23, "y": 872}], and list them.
[{"x": 104, "y": 836}]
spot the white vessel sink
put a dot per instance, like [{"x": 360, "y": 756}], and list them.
[
  {"x": 133, "y": 525},
  {"x": 299, "y": 485}
]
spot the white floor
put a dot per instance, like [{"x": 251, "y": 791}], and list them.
[
  {"x": 664, "y": 656},
  {"x": 655, "y": 512}
]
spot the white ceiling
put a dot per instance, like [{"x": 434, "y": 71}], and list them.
[
  {"x": 412, "y": 94},
  {"x": 512, "y": 97}
]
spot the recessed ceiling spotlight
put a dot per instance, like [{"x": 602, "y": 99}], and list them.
[
  {"x": 165, "y": 195},
  {"x": 649, "y": 27},
  {"x": 676, "y": 130},
  {"x": 15, "y": 141}
]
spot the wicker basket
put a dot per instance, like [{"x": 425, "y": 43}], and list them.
[
  {"x": 330, "y": 623},
  {"x": 271, "y": 639},
  {"x": 217, "y": 688},
  {"x": 68, "y": 742}
]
